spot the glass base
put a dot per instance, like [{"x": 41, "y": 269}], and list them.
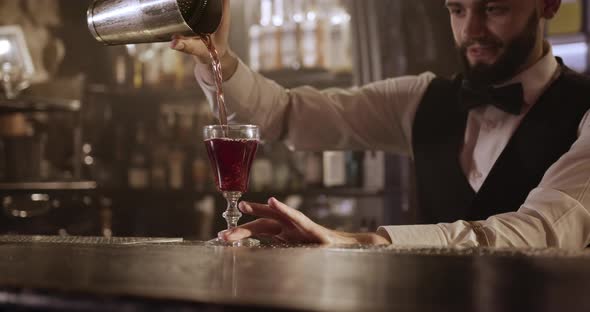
[{"x": 246, "y": 242}]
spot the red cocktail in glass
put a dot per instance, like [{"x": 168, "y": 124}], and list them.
[{"x": 231, "y": 160}]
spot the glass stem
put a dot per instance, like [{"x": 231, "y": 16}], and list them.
[{"x": 232, "y": 214}]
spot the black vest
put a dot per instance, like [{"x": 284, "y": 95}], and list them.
[{"x": 545, "y": 134}]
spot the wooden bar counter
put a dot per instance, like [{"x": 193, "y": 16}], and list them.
[{"x": 97, "y": 274}]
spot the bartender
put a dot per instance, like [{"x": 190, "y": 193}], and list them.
[{"x": 502, "y": 151}]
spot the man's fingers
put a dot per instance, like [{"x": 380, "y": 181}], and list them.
[
  {"x": 312, "y": 230},
  {"x": 257, "y": 227},
  {"x": 190, "y": 45},
  {"x": 261, "y": 211},
  {"x": 289, "y": 213}
]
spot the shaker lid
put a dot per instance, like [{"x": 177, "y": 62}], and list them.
[
  {"x": 188, "y": 8},
  {"x": 206, "y": 15}
]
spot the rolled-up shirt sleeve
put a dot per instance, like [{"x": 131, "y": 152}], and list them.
[{"x": 377, "y": 116}]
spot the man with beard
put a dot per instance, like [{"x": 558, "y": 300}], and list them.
[{"x": 502, "y": 151}]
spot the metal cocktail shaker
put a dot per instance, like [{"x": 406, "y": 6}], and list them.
[{"x": 115, "y": 22}]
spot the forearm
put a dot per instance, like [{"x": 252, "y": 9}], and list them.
[
  {"x": 375, "y": 117},
  {"x": 229, "y": 64},
  {"x": 548, "y": 218},
  {"x": 249, "y": 97}
]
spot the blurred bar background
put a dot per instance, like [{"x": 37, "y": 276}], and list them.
[{"x": 107, "y": 141}]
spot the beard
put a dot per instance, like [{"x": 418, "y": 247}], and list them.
[{"x": 515, "y": 55}]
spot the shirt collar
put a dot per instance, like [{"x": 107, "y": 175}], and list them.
[{"x": 537, "y": 78}]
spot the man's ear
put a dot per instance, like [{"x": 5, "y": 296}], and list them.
[{"x": 550, "y": 8}]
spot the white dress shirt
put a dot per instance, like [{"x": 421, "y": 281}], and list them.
[{"x": 379, "y": 116}]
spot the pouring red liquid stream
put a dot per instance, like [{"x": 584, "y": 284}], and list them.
[
  {"x": 218, "y": 77},
  {"x": 231, "y": 158}
]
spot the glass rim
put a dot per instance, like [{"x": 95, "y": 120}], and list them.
[{"x": 216, "y": 127}]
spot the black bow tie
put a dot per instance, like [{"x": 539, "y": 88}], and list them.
[{"x": 509, "y": 98}]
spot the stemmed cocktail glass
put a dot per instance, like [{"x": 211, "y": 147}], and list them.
[{"x": 231, "y": 149}]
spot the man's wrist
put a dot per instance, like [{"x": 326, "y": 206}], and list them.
[
  {"x": 373, "y": 239},
  {"x": 365, "y": 238},
  {"x": 229, "y": 65}
]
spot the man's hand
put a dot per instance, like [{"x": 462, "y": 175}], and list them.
[
  {"x": 285, "y": 224},
  {"x": 195, "y": 47}
]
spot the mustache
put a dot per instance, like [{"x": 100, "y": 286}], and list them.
[{"x": 487, "y": 42}]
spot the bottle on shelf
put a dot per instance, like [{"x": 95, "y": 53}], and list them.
[
  {"x": 101, "y": 147},
  {"x": 177, "y": 157},
  {"x": 313, "y": 170},
  {"x": 282, "y": 172},
  {"x": 138, "y": 169},
  {"x": 159, "y": 172},
  {"x": 261, "y": 173},
  {"x": 121, "y": 68},
  {"x": 205, "y": 210},
  {"x": 180, "y": 72},
  {"x": 337, "y": 36},
  {"x": 354, "y": 161},
  {"x": 138, "y": 79},
  {"x": 185, "y": 126},
  {"x": 311, "y": 36},
  {"x": 200, "y": 171},
  {"x": 374, "y": 171},
  {"x": 152, "y": 63},
  {"x": 120, "y": 152},
  {"x": 298, "y": 11},
  {"x": 159, "y": 168},
  {"x": 334, "y": 169},
  {"x": 270, "y": 55},
  {"x": 289, "y": 33},
  {"x": 199, "y": 166},
  {"x": 296, "y": 174},
  {"x": 169, "y": 64}
]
